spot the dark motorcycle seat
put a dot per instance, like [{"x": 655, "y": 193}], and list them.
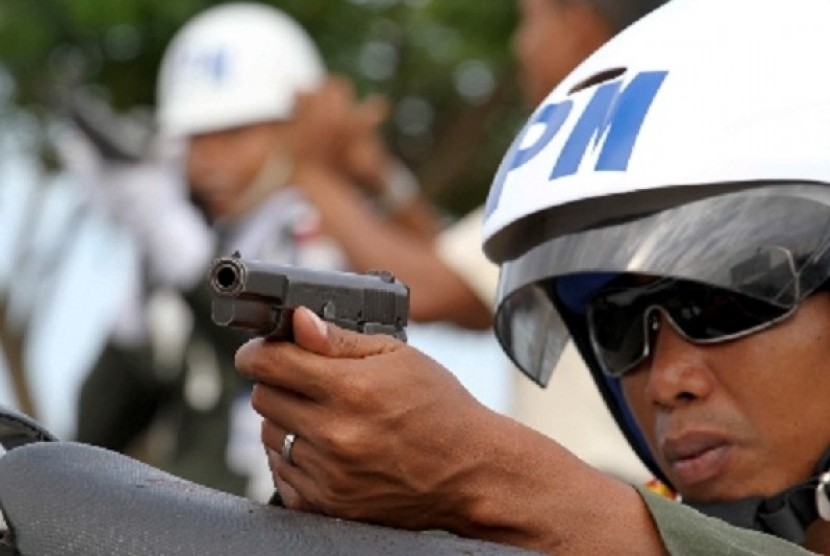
[{"x": 71, "y": 499}]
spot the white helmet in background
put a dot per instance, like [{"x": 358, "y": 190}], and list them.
[{"x": 234, "y": 64}]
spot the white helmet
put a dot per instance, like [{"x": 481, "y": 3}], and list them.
[
  {"x": 694, "y": 146},
  {"x": 699, "y": 92},
  {"x": 234, "y": 64}
]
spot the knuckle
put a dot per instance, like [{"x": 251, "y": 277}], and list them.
[
  {"x": 356, "y": 388},
  {"x": 257, "y": 395},
  {"x": 259, "y": 398},
  {"x": 342, "y": 442},
  {"x": 330, "y": 439},
  {"x": 270, "y": 436}
]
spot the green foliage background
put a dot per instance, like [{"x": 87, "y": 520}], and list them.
[{"x": 424, "y": 46}]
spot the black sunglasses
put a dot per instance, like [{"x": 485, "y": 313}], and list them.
[{"x": 622, "y": 319}]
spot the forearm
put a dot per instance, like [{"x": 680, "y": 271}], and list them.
[
  {"x": 417, "y": 216},
  {"x": 526, "y": 490},
  {"x": 371, "y": 242}
]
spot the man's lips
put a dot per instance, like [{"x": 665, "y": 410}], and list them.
[{"x": 695, "y": 457}]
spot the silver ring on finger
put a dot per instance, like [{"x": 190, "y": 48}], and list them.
[{"x": 287, "y": 445}]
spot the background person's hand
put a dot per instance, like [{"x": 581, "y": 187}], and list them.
[
  {"x": 366, "y": 158},
  {"x": 340, "y": 132},
  {"x": 384, "y": 434}
]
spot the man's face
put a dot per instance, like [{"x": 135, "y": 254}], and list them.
[
  {"x": 741, "y": 418},
  {"x": 551, "y": 39},
  {"x": 221, "y": 165}
]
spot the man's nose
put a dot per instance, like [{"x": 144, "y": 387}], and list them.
[{"x": 678, "y": 369}]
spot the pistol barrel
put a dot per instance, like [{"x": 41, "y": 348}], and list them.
[
  {"x": 227, "y": 276},
  {"x": 261, "y": 297}
]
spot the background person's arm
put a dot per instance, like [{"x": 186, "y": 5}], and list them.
[{"x": 437, "y": 292}]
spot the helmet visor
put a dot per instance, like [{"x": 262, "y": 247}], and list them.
[{"x": 741, "y": 261}]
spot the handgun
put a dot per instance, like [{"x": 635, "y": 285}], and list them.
[{"x": 261, "y": 297}]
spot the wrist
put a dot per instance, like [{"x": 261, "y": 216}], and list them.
[
  {"x": 527, "y": 491},
  {"x": 533, "y": 493},
  {"x": 499, "y": 494}
]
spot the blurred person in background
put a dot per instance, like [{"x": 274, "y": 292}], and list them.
[{"x": 231, "y": 92}]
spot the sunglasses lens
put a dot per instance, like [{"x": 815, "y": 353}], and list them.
[
  {"x": 705, "y": 314},
  {"x": 616, "y": 318},
  {"x": 617, "y": 332}
]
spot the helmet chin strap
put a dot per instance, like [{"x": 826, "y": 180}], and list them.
[{"x": 786, "y": 514}]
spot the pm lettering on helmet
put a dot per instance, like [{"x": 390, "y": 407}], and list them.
[
  {"x": 609, "y": 123},
  {"x": 210, "y": 66}
]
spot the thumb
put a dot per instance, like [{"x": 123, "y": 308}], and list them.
[{"x": 324, "y": 338}]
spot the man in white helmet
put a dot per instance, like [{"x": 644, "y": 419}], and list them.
[
  {"x": 668, "y": 208},
  {"x": 231, "y": 88}
]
